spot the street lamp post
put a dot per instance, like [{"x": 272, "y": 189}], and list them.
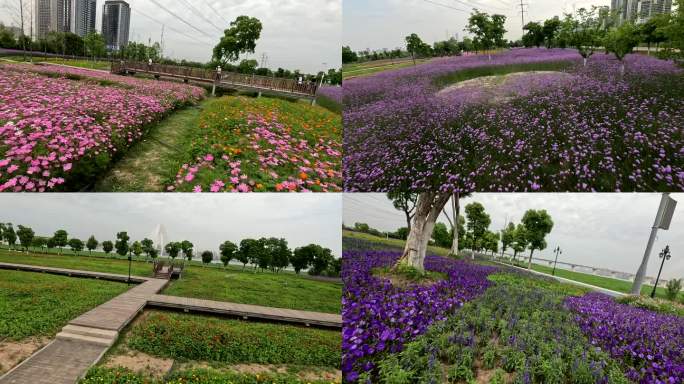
[
  {"x": 558, "y": 251},
  {"x": 129, "y": 269},
  {"x": 665, "y": 255}
]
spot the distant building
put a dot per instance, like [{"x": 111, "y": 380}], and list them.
[
  {"x": 76, "y": 16},
  {"x": 116, "y": 21},
  {"x": 639, "y": 11}
]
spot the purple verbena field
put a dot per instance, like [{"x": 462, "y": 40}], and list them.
[
  {"x": 332, "y": 93},
  {"x": 378, "y": 318},
  {"x": 649, "y": 344},
  {"x": 60, "y": 127},
  {"x": 574, "y": 129}
]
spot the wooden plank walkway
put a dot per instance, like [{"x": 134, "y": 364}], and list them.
[
  {"x": 60, "y": 362},
  {"x": 246, "y": 311},
  {"x": 73, "y": 272}
]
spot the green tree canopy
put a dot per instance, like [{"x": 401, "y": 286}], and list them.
[
  {"x": 240, "y": 38},
  {"x": 76, "y": 245},
  {"x": 25, "y": 235},
  {"x": 107, "y": 246},
  {"x": 60, "y": 239},
  {"x": 172, "y": 249},
  {"x": 537, "y": 224},
  {"x": 91, "y": 244},
  {"x": 228, "y": 250},
  {"x": 121, "y": 244},
  {"x": 207, "y": 257}
]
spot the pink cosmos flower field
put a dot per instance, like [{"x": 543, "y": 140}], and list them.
[{"x": 61, "y": 127}]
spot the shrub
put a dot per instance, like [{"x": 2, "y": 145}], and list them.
[
  {"x": 672, "y": 289},
  {"x": 207, "y": 257}
]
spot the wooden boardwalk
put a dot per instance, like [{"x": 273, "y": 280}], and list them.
[
  {"x": 230, "y": 80},
  {"x": 85, "y": 339},
  {"x": 247, "y": 311}
]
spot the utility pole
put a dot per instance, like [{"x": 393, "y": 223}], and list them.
[
  {"x": 522, "y": 14},
  {"x": 21, "y": 16},
  {"x": 558, "y": 251},
  {"x": 161, "y": 46},
  {"x": 665, "y": 255},
  {"x": 662, "y": 221}
]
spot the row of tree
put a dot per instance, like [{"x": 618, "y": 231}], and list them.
[
  {"x": 591, "y": 28},
  {"x": 271, "y": 254},
  {"x": 465, "y": 232}
]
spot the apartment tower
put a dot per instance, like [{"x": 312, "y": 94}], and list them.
[{"x": 116, "y": 20}]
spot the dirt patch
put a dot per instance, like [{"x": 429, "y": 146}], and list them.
[
  {"x": 501, "y": 88},
  {"x": 405, "y": 280},
  {"x": 305, "y": 374},
  {"x": 14, "y": 352},
  {"x": 142, "y": 363}
]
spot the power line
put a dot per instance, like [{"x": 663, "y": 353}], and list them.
[
  {"x": 522, "y": 13},
  {"x": 445, "y": 6},
  {"x": 181, "y": 19},
  {"x": 216, "y": 12},
  {"x": 173, "y": 29},
  {"x": 478, "y": 5},
  {"x": 198, "y": 13}
]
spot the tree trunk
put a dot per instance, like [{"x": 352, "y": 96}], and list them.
[
  {"x": 529, "y": 263},
  {"x": 455, "y": 210},
  {"x": 414, "y": 59},
  {"x": 648, "y": 50},
  {"x": 622, "y": 69},
  {"x": 585, "y": 61},
  {"x": 408, "y": 220},
  {"x": 428, "y": 208}
]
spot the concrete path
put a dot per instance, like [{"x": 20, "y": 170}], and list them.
[{"x": 85, "y": 339}]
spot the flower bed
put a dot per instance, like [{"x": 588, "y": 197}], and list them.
[
  {"x": 379, "y": 318},
  {"x": 59, "y": 134},
  {"x": 245, "y": 144},
  {"x": 650, "y": 345},
  {"x": 590, "y": 131}
]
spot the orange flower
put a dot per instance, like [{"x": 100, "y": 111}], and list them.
[{"x": 303, "y": 176}]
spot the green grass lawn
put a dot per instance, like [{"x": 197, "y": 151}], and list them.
[
  {"x": 285, "y": 290},
  {"x": 85, "y": 263},
  {"x": 89, "y": 64},
  {"x": 388, "y": 242},
  {"x": 36, "y": 304},
  {"x": 369, "y": 68}
]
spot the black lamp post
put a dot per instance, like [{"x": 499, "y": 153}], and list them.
[
  {"x": 558, "y": 251},
  {"x": 129, "y": 268},
  {"x": 665, "y": 255}
]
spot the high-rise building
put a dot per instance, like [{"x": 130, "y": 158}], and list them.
[
  {"x": 76, "y": 16},
  {"x": 639, "y": 11},
  {"x": 82, "y": 16},
  {"x": 116, "y": 20}
]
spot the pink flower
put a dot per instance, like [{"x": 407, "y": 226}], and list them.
[
  {"x": 12, "y": 168},
  {"x": 243, "y": 187},
  {"x": 197, "y": 189},
  {"x": 189, "y": 177},
  {"x": 67, "y": 167},
  {"x": 209, "y": 157}
]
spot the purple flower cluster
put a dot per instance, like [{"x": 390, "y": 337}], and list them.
[
  {"x": 650, "y": 345},
  {"x": 380, "y": 318},
  {"x": 332, "y": 93},
  {"x": 582, "y": 130}
]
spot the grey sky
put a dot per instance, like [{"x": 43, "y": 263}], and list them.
[
  {"x": 206, "y": 220},
  {"x": 381, "y": 24},
  {"x": 297, "y": 34},
  {"x": 603, "y": 230}
]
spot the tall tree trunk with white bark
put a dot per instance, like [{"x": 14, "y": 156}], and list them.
[{"x": 428, "y": 208}]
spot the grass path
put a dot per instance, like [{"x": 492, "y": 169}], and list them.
[{"x": 151, "y": 162}]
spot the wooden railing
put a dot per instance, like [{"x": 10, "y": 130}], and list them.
[{"x": 212, "y": 76}]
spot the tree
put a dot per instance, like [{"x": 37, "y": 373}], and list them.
[
  {"x": 549, "y": 30},
  {"x": 519, "y": 240},
  {"x": 121, "y": 244},
  {"x": 279, "y": 253},
  {"x": 534, "y": 35},
  {"x": 477, "y": 223},
  {"x": 10, "y": 235},
  {"x": 207, "y": 257},
  {"x": 242, "y": 255},
  {"x": 302, "y": 257},
  {"x": 456, "y": 222},
  {"x": 488, "y": 30},
  {"x": 136, "y": 248},
  {"x": 173, "y": 248},
  {"x": 428, "y": 207},
  {"x": 348, "y": 56},
  {"x": 76, "y": 245},
  {"x": 187, "y": 247},
  {"x": 490, "y": 241},
  {"x": 91, "y": 244},
  {"x": 25, "y": 235},
  {"x": 415, "y": 46},
  {"x": 322, "y": 258},
  {"x": 228, "y": 250},
  {"x": 147, "y": 247},
  {"x": 653, "y": 30},
  {"x": 248, "y": 66},
  {"x": 60, "y": 239},
  {"x": 674, "y": 32},
  {"x": 585, "y": 31},
  {"x": 442, "y": 236},
  {"x": 153, "y": 253},
  {"x": 251, "y": 251},
  {"x": 405, "y": 202},
  {"x": 107, "y": 246},
  {"x": 507, "y": 237},
  {"x": 240, "y": 38},
  {"x": 95, "y": 45},
  {"x": 622, "y": 41},
  {"x": 537, "y": 224},
  {"x": 50, "y": 243}
]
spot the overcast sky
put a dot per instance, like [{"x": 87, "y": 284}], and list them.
[
  {"x": 297, "y": 34},
  {"x": 381, "y": 24},
  {"x": 206, "y": 220},
  {"x": 604, "y": 230}
]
